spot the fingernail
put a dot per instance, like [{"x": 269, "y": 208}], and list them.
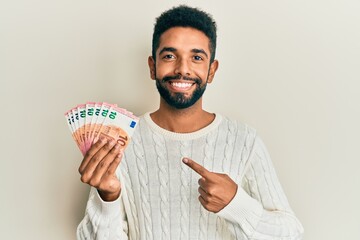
[{"x": 185, "y": 160}]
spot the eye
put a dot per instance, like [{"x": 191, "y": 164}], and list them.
[
  {"x": 198, "y": 58},
  {"x": 168, "y": 56}
]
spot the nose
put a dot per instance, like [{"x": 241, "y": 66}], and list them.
[{"x": 182, "y": 68}]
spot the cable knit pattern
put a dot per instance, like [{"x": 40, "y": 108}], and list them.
[
  {"x": 161, "y": 199},
  {"x": 184, "y": 191},
  {"x": 229, "y": 146},
  {"x": 218, "y": 229},
  {"x": 163, "y": 177},
  {"x": 144, "y": 188},
  {"x": 209, "y": 155},
  {"x": 128, "y": 186},
  {"x": 247, "y": 147}
]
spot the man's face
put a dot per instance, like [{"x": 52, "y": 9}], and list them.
[{"x": 182, "y": 68}]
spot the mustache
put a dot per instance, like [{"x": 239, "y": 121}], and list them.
[{"x": 178, "y": 77}]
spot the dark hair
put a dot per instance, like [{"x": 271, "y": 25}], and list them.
[{"x": 184, "y": 16}]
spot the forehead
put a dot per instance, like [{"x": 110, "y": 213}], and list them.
[{"x": 184, "y": 39}]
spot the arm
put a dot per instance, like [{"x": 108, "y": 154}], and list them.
[
  {"x": 105, "y": 217},
  {"x": 103, "y": 220},
  {"x": 259, "y": 209}
]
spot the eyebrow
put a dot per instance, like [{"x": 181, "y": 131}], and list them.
[
  {"x": 167, "y": 49},
  {"x": 195, "y": 50},
  {"x": 171, "y": 49}
]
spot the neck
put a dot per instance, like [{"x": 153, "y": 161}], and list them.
[{"x": 186, "y": 120}]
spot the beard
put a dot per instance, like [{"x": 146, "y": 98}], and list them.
[{"x": 179, "y": 100}]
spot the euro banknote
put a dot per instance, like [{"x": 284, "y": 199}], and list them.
[{"x": 92, "y": 120}]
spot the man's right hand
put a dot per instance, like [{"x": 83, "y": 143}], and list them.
[{"x": 98, "y": 168}]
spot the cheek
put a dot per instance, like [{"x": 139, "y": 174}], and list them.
[
  {"x": 162, "y": 70},
  {"x": 202, "y": 72}
]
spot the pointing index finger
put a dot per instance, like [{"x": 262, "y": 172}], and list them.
[{"x": 196, "y": 167}]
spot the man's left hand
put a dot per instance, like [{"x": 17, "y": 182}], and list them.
[{"x": 216, "y": 189}]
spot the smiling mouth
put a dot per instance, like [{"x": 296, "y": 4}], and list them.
[{"x": 181, "y": 85}]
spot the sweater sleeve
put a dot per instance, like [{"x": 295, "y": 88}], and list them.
[
  {"x": 103, "y": 220},
  {"x": 260, "y": 209}
]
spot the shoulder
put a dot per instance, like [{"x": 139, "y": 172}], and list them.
[
  {"x": 241, "y": 129},
  {"x": 244, "y": 136}
]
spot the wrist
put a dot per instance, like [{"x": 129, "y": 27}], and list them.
[{"x": 109, "y": 197}]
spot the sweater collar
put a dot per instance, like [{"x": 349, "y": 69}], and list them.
[{"x": 182, "y": 136}]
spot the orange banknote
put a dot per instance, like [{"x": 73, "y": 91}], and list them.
[{"x": 87, "y": 122}]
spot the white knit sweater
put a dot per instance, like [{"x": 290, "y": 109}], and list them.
[{"x": 159, "y": 198}]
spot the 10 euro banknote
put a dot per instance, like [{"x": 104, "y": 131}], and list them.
[{"x": 87, "y": 122}]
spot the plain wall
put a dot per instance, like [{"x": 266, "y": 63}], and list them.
[{"x": 290, "y": 69}]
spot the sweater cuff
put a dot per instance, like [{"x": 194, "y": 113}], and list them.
[
  {"x": 107, "y": 209},
  {"x": 242, "y": 209}
]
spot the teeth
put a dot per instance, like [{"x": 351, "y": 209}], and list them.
[{"x": 181, "y": 85}]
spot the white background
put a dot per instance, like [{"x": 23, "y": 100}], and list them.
[{"x": 290, "y": 69}]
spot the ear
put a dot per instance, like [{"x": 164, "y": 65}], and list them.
[
  {"x": 213, "y": 68},
  {"x": 151, "y": 63}
]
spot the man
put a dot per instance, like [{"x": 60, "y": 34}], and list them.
[{"x": 187, "y": 173}]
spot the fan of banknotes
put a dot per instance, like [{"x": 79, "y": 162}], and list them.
[{"x": 87, "y": 122}]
